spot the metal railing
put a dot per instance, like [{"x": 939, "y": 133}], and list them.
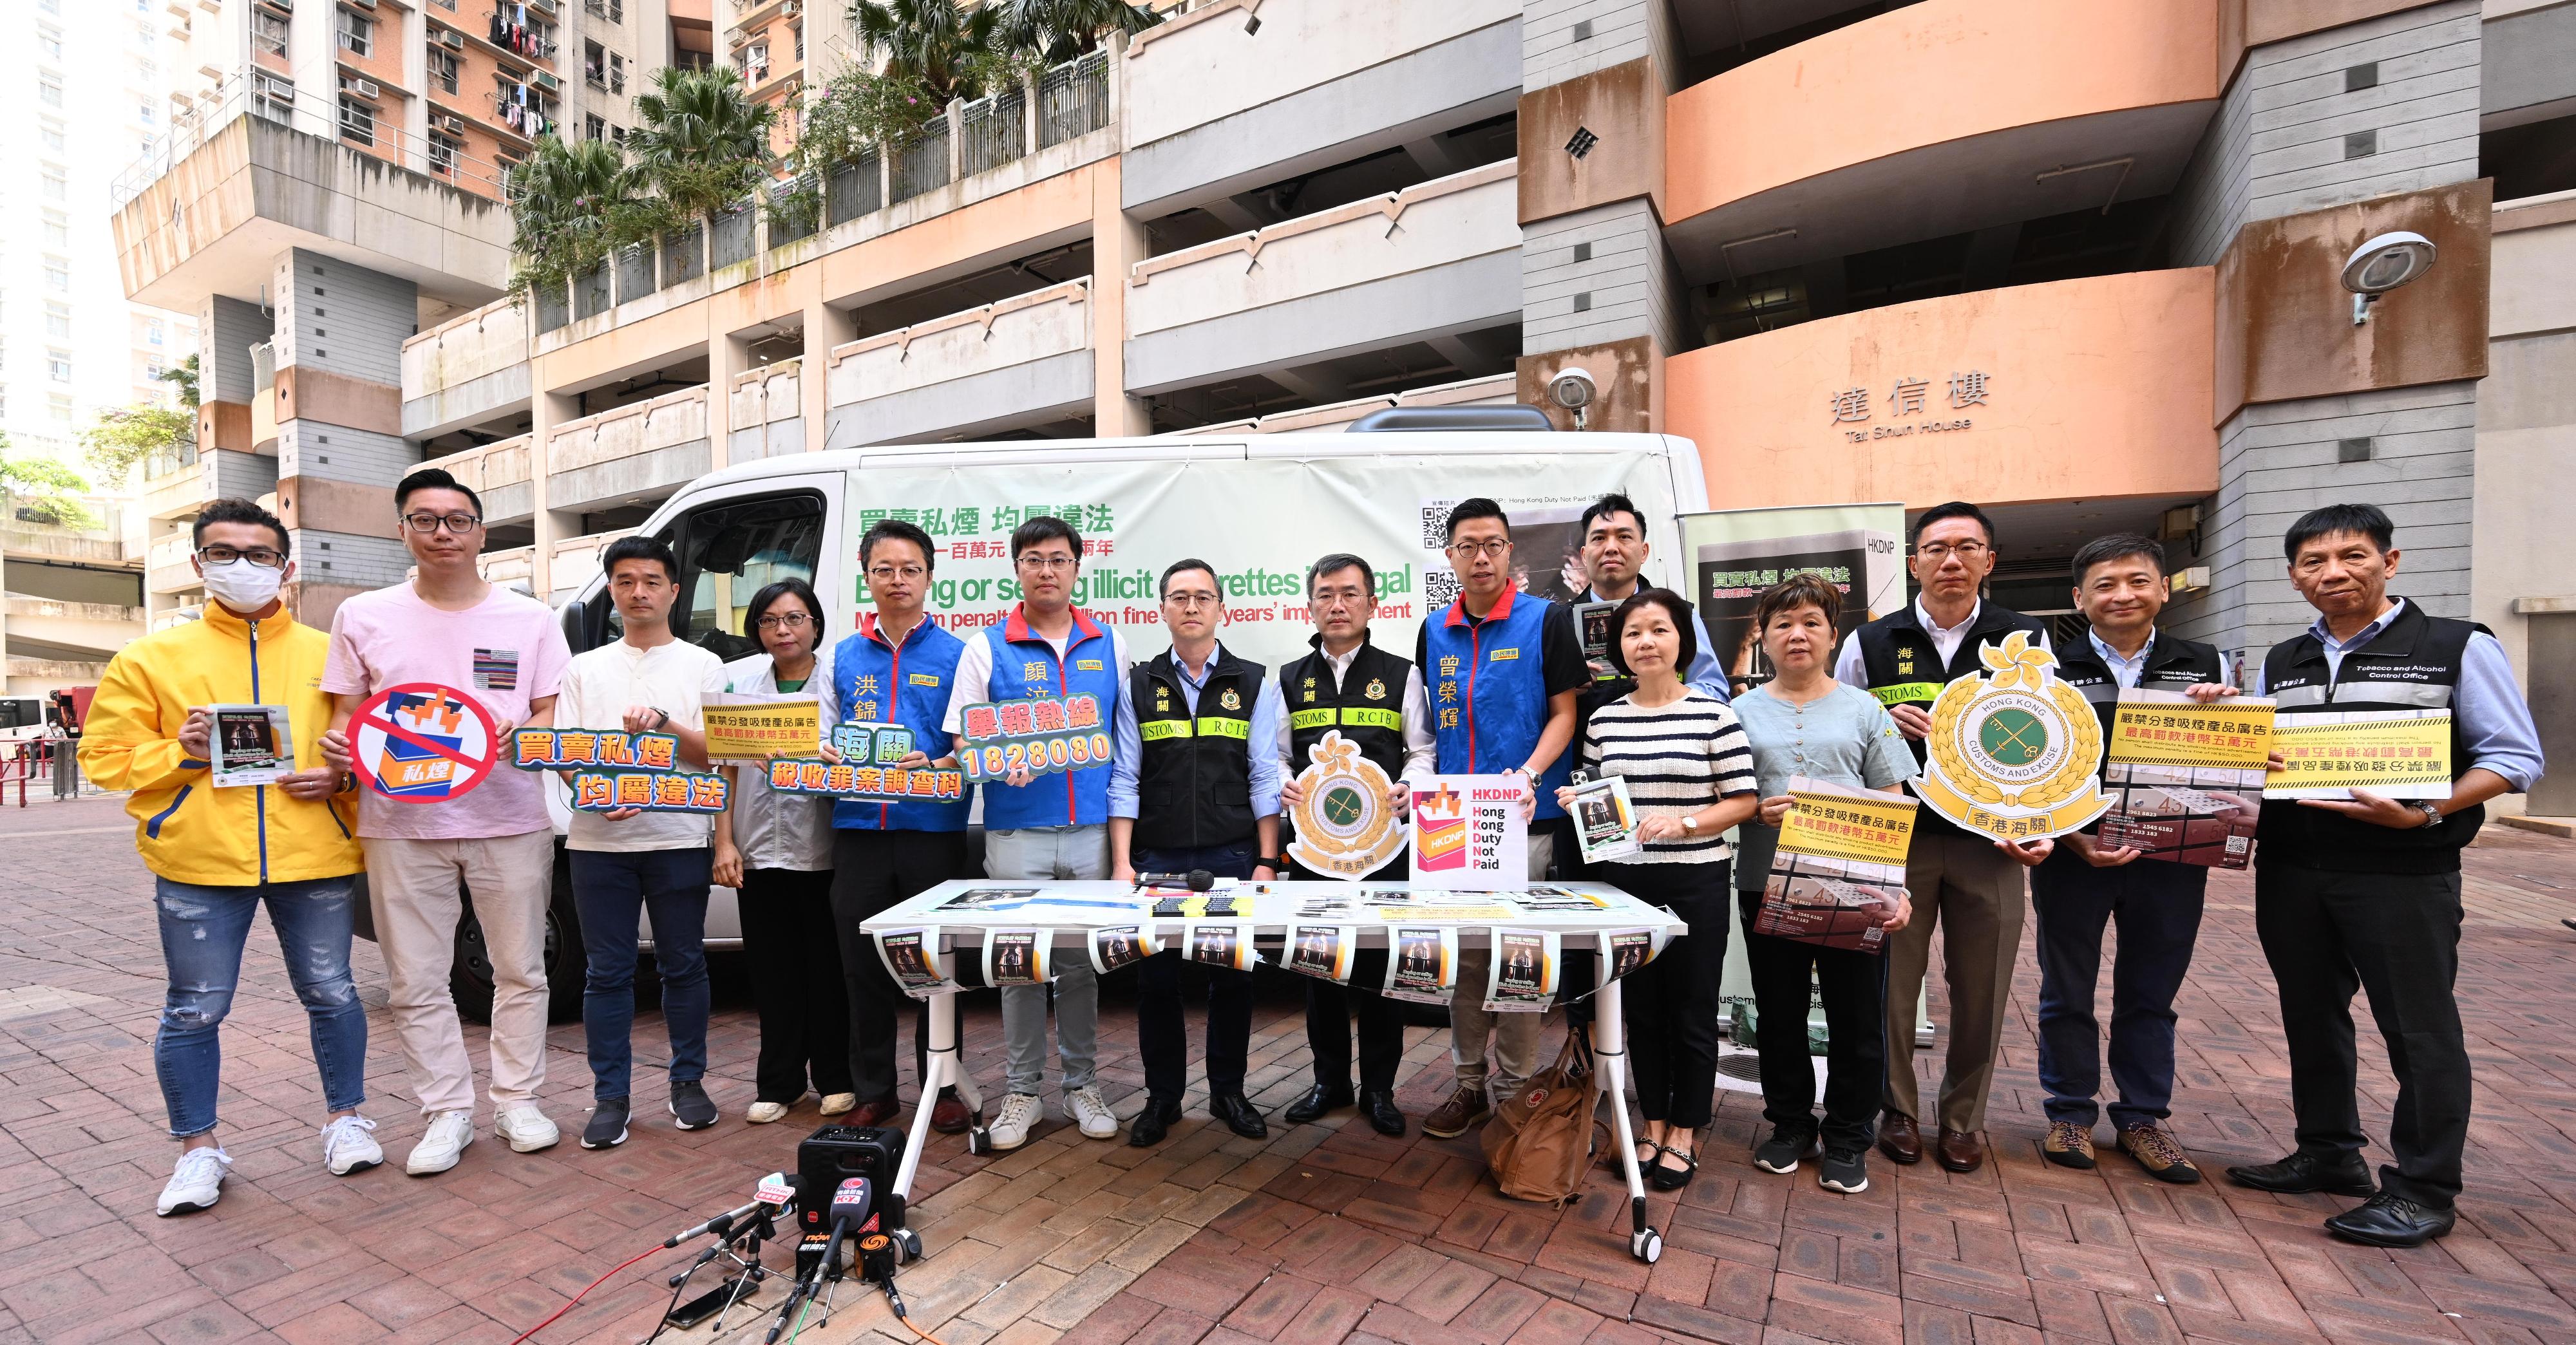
[
  {"x": 921, "y": 162},
  {"x": 1073, "y": 99},
  {"x": 250, "y": 92},
  {"x": 853, "y": 189},
  {"x": 995, "y": 131}
]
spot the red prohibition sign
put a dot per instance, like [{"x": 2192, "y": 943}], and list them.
[{"x": 442, "y": 759}]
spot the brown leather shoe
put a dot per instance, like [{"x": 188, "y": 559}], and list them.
[
  {"x": 1961, "y": 1150},
  {"x": 870, "y": 1114},
  {"x": 2159, "y": 1153},
  {"x": 2068, "y": 1145},
  {"x": 950, "y": 1116},
  {"x": 1450, "y": 1119},
  {"x": 1899, "y": 1139}
]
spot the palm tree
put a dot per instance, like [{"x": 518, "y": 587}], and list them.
[
  {"x": 935, "y": 43},
  {"x": 568, "y": 201},
  {"x": 699, "y": 140},
  {"x": 1056, "y": 31}
]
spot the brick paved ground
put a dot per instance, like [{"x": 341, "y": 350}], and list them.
[{"x": 1322, "y": 1233}]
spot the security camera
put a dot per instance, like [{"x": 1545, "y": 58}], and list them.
[
  {"x": 2383, "y": 264},
  {"x": 1572, "y": 389}
]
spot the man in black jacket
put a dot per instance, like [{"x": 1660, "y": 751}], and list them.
[
  {"x": 1968, "y": 884},
  {"x": 2365, "y": 892}
]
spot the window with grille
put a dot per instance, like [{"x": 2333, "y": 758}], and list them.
[
  {"x": 357, "y": 121},
  {"x": 268, "y": 32},
  {"x": 357, "y": 33},
  {"x": 444, "y": 150},
  {"x": 58, "y": 365},
  {"x": 442, "y": 68}
]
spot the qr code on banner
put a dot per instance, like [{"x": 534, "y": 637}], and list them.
[
  {"x": 1440, "y": 587},
  {"x": 1435, "y": 529}
]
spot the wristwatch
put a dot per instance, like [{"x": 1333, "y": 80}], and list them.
[
  {"x": 2432, "y": 813},
  {"x": 1271, "y": 862},
  {"x": 1690, "y": 825}
]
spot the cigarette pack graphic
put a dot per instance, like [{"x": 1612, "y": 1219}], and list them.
[
  {"x": 409, "y": 770},
  {"x": 1442, "y": 817}
]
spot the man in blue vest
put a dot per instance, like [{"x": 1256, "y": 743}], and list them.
[
  {"x": 1504, "y": 668},
  {"x": 2364, "y": 893},
  {"x": 898, "y": 668},
  {"x": 1189, "y": 791},
  {"x": 1052, "y": 826}
]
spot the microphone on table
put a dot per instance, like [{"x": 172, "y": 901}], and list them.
[
  {"x": 1196, "y": 880},
  {"x": 850, "y": 1207}
]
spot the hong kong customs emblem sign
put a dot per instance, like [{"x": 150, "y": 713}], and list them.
[
  {"x": 1345, "y": 827},
  {"x": 2013, "y": 752}
]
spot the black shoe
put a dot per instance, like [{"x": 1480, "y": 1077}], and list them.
[
  {"x": 691, "y": 1108},
  {"x": 1844, "y": 1170},
  {"x": 1319, "y": 1099},
  {"x": 2387, "y": 1220},
  {"x": 1379, "y": 1107},
  {"x": 1788, "y": 1144},
  {"x": 1664, "y": 1177},
  {"x": 1239, "y": 1115},
  {"x": 1153, "y": 1123},
  {"x": 607, "y": 1128},
  {"x": 2302, "y": 1172}
]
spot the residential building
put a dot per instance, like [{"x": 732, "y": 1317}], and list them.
[{"x": 2078, "y": 262}]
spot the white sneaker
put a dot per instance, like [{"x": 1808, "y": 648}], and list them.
[
  {"x": 1010, "y": 1130},
  {"x": 1091, "y": 1113},
  {"x": 840, "y": 1104},
  {"x": 763, "y": 1113},
  {"x": 526, "y": 1128},
  {"x": 347, "y": 1148},
  {"x": 449, "y": 1132},
  {"x": 197, "y": 1184}
]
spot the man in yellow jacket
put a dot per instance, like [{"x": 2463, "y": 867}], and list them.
[{"x": 218, "y": 853}]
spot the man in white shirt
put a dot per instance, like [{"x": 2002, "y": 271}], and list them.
[{"x": 629, "y": 861}]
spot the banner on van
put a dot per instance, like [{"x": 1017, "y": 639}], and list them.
[
  {"x": 1737, "y": 553},
  {"x": 1259, "y": 521}
]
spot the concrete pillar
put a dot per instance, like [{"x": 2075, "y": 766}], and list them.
[
  {"x": 546, "y": 410},
  {"x": 727, "y": 355},
  {"x": 825, "y": 327},
  {"x": 1117, "y": 242},
  {"x": 338, "y": 340}
]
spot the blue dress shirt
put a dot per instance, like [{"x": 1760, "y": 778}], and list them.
[
  {"x": 2494, "y": 722},
  {"x": 1267, "y": 711}
]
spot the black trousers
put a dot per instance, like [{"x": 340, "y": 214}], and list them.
[
  {"x": 1161, "y": 1038},
  {"x": 1788, "y": 977},
  {"x": 796, "y": 984},
  {"x": 2396, "y": 936},
  {"x": 1330, "y": 1007},
  {"x": 872, "y": 870},
  {"x": 1670, "y": 1004}
]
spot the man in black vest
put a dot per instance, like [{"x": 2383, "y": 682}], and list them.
[
  {"x": 2120, "y": 587},
  {"x": 1968, "y": 884},
  {"x": 1376, "y": 701},
  {"x": 1189, "y": 792},
  {"x": 2366, "y": 891}
]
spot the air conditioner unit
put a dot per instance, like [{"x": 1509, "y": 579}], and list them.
[
  {"x": 364, "y": 88},
  {"x": 448, "y": 37},
  {"x": 546, "y": 80},
  {"x": 270, "y": 86},
  {"x": 452, "y": 124},
  {"x": 791, "y": 9},
  {"x": 741, "y": 36}
]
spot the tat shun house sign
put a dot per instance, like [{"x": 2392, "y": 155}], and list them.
[{"x": 1906, "y": 408}]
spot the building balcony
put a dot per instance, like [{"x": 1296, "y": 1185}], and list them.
[
  {"x": 515, "y": 566},
  {"x": 103, "y": 627},
  {"x": 466, "y": 371},
  {"x": 1494, "y": 390},
  {"x": 575, "y": 560},
  {"x": 629, "y": 455},
  {"x": 1431, "y": 261},
  {"x": 1934, "y": 119},
  {"x": 1222, "y": 99},
  {"x": 498, "y": 474},
  {"x": 1016, "y": 362},
  {"x": 165, "y": 565},
  {"x": 765, "y": 412},
  {"x": 177, "y": 492},
  {"x": 36, "y": 541}
]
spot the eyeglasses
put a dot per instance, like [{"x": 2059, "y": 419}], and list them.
[
  {"x": 783, "y": 621},
  {"x": 258, "y": 555},
  {"x": 1048, "y": 562},
  {"x": 1488, "y": 548},
  {"x": 885, "y": 573},
  {"x": 1938, "y": 552},
  {"x": 1190, "y": 601},
  {"x": 460, "y": 524}
]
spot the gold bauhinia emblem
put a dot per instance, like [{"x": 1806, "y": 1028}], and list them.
[
  {"x": 1345, "y": 826},
  {"x": 2013, "y": 752}
]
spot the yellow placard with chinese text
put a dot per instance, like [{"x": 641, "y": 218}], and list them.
[
  {"x": 2168, "y": 729},
  {"x": 2399, "y": 754},
  {"x": 744, "y": 728},
  {"x": 1870, "y": 828}
]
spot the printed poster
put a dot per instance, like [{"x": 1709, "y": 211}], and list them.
[
  {"x": 1121, "y": 946},
  {"x": 1468, "y": 833},
  {"x": 1625, "y": 951},
  {"x": 1220, "y": 943},
  {"x": 1322, "y": 951},
  {"x": 1522, "y": 978},
  {"x": 1421, "y": 963},
  {"x": 2397, "y": 754},
  {"x": 1737, "y": 553},
  {"x": 912, "y": 958},
  {"x": 1605, "y": 822},
  {"x": 1018, "y": 956},
  {"x": 2186, "y": 779},
  {"x": 248, "y": 745},
  {"x": 751, "y": 726},
  {"x": 1839, "y": 871}
]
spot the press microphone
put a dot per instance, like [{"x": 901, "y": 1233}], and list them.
[
  {"x": 776, "y": 1190},
  {"x": 1196, "y": 880},
  {"x": 850, "y": 1206}
]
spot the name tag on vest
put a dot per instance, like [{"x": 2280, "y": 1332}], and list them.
[
  {"x": 923, "y": 679},
  {"x": 1502, "y": 655},
  {"x": 1086, "y": 665}
]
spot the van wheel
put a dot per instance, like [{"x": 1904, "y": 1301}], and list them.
[{"x": 469, "y": 977}]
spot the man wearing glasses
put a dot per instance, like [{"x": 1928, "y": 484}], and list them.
[
  {"x": 1968, "y": 884},
  {"x": 899, "y": 667},
  {"x": 1504, "y": 669},
  {"x": 1047, "y": 827},
  {"x": 450, "y": 627},
  {"x": 1189, "y": 792}
]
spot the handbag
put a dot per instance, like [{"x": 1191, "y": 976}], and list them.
[{"x": 1540, "y": 1141}]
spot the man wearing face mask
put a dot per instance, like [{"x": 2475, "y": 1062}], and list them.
[{"x": 218, "y": 855}]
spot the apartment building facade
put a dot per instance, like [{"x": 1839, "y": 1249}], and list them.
[{"x": 2077, "y": 262}]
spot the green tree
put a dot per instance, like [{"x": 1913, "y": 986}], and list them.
[
  {"x": 120, "y": 438},
  {"x": 699, "y": 141},
  {"x": 946, "y": 48},
  {"x": 1056, "y": 31},
  {"x": 184, "y": 374},
  {"x": 571, "y": 203},
  {"x": 41, "y": 490}
]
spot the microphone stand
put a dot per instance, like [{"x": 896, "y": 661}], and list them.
[{"x": 741, "y": 1246}]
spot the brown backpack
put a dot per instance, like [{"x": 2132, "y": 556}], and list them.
[{"x": 1539, "y": 1142}]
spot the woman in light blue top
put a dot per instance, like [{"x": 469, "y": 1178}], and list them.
[{"x": 1804, "y": 723}]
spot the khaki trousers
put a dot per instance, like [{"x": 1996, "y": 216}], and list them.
[
  {"x": 413, "y": 890},
  {"x": 1515, "y": 1035},
  {"x": 1974, "y": 892}
]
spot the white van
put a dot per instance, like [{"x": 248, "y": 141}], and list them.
[{"x": 1259, "y": 509}]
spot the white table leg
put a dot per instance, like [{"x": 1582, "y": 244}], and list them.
[
  {"x": 1610, "y": 1069},
  {"x": 942, "y": 1069}
]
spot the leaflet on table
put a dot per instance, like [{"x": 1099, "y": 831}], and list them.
[
  {"x": 2186, "y": 778},
  {"x": 1018, "y": 956},
  {"x": 1042, "y": 736},
  {"x": 755, "y": 726},
  {"x": 1468, "y": 832},
  {"x": 1839, "y": 871},
  {"x": 1322, "y": 951},
  {"x": 1592, "y": 622},
  {"x": 1121, "y": 946},
  {"x": 248, "y": 745},
  {"x": 986, "y": 900},
  {"x": 912, "y": 958},
  {"x": 1605, "y": 823},
  {"x": 1522, "y": 978},
  {"x": 2396, "y": 754},
  {"x": 1421, "y": 963},
  {"x": 650, "y": 791},
  {"x": 1542, "y": 897},
  {"x": 1220, "y": 943},
  {"x": 562, "y": 749},
  {"x": 844, "y": 780}
]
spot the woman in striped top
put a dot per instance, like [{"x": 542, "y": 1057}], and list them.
[{"x": 1690, "y": 776}]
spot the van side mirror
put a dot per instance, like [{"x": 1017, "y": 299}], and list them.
[{"x": 576, "y": 626}]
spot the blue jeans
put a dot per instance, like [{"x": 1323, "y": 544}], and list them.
[
  {"x": 2155, "y": 905},
  {"x": 203, "y": 930},
  {"x": 612, "y": 890}
]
